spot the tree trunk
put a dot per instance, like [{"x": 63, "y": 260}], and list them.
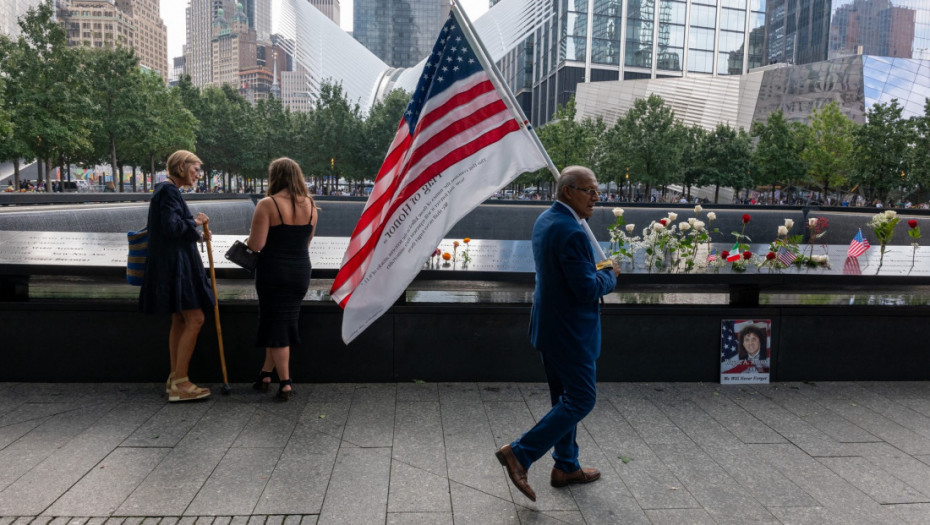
[
  {"x": 133, "y": 177},
  {"x": 151, "y": 172},
  {"x": 716, "y": 194},
  {"x": 16, "y": 172},
  {"x": 113, "y": 166},
  {"x": 121, "y": 178}
]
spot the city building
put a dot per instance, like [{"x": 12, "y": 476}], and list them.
[
  {"x": 330, "y": 8},
  {"x": 150, "y": 38},
  {"x": 179, "y": 69},
  {"x": 891, "y": 28},
  {"x": 108, "y": 23},
  {"x": 606, "y": 40},
  {"x": 96, "y": 23},
  {"x": 12, "y": 10},
  {"x": 796, "y": 31},
  {"x": 855, "y": 83},
  {"x": 399, "y": 32}
]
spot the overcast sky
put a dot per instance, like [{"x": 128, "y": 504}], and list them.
[{"x": 172, "y": 12}]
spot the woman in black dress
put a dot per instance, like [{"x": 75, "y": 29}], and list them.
[
  {"x": 282, "y": 228},
  {"x": 175, "y": 282}
]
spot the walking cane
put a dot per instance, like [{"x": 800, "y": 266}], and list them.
[{"x": 216, "y": 308}]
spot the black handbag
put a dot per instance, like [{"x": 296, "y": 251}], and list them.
[{"x": 240, "y": 253}]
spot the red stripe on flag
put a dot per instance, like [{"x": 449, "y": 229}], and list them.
[
  {"x": 375, "y": 211},
  {"x": 456, "y": 128},
  {"x": 350, "y": 267},
  {"x": 458, "y": 100}
]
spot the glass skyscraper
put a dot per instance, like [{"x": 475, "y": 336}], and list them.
[
  {"x": 598, "y": 40},
  {"x": 399, "y": 32}
]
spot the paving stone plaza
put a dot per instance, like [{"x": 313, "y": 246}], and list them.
[{"x": 669, "y": 453}]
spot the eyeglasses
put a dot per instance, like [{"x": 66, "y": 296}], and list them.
[{"x": 590, "y": 191}]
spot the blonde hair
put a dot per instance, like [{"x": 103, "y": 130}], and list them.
[
  {"x": 285, "y": 174},
  {"x": 179, "y": 160}
]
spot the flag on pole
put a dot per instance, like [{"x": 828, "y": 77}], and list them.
[
  {"x": 858, "y": 245},
  {"x": 457, "y": 143},
  {"x": 785, "y": 256},
  {"x": 734, "y": 253}
]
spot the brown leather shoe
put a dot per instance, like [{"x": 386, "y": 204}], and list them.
[
  {"x": 515, "y": 470},
  {"x": 560, "y": 478}
]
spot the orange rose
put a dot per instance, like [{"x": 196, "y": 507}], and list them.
[
  {"x": 446, "y": 256},
  {"x": 466, "y": 240}
]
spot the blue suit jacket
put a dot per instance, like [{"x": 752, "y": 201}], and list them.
[{"x": 565, "y": 322}]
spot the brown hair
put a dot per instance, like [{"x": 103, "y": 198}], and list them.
[
  {"x": 760, "y": 335},
  {"x": 285, "y": 174},
  {"x": 179, "y": 160}
]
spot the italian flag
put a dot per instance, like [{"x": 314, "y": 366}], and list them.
[{"x": 735, "y": 255}]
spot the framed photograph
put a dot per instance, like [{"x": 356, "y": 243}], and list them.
[{"x": 745, "y": 351}]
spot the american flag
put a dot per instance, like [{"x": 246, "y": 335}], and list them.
[
  {"x": 457, "y": 143},
  {"x": 851, "y": 266},
  {"x": 712, "y": 256},
  {"x": 858, "y": 245},
  {"x": 728, "y": 345},
  {"x": 785, "y": 256}
]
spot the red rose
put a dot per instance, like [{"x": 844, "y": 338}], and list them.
[
  {"x": 745, "y": 218},
  {"x": 912, "y": 223},
  {"x": 663, "y": 222},
  {"x": 747, "y": 255},
  {"x": 769, "y": 256},
  {"x": 724, "y": 254}
]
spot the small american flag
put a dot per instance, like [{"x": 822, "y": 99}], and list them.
[
  {"x": 712, "y": 256},
  {"x": 858, "y": 245},
  {"x": 851, "y": 266},
  {"x": 785, "y": 256}
]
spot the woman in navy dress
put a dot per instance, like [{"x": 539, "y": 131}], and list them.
[
  {"x": 175, "y": 282},
  {"x": 282, "y": 228}
]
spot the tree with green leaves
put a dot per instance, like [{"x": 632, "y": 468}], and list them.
[
  {"x": 568, "y": 143},
  {"x": 777, "y": 157},
  {"x": 379, "y": 130},
  {"x": 918, "y": 157},
  {"x": 165, "y": 126},
  {"x": 828, "y": 151},
  {"x": 114, "y": 78},
  {"x": 692, "y": 160},
  {"x": 45, "y": 86},
  {"x": 648, "y": 141},
  {"x": 725, "y": 158},
  {"x": 335, "y": 135},
  {"x": 880, "y": 154}
]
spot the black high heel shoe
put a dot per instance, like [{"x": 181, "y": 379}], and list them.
[
  {"x": 284, "y": 395},
  {"x": 261, "y": 384}
]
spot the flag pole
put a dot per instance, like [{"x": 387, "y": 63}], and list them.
[{"x": 511, "y": 101}]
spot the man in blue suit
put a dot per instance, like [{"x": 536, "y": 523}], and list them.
[{"x": 565, "y": 327}]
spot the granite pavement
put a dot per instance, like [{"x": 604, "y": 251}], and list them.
[{"x": 421, "y": 453}]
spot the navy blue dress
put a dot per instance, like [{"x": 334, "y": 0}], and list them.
[
  {"x": 174, "y": 275},
  {"x": 282, "y": 278}
]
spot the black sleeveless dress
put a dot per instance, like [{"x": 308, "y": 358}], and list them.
[{"x": 282, "y": 278}]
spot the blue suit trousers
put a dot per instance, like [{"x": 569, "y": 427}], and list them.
[{"x": 573, "y": 392}]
